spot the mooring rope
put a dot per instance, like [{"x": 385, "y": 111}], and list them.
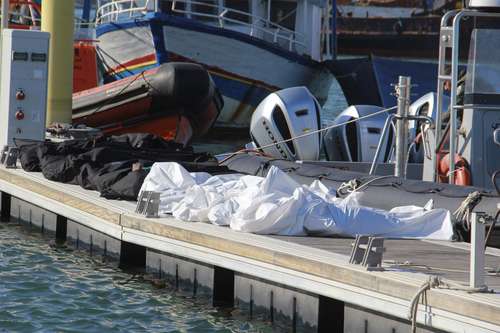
[
  {"x": 436, "y": 282},
  {"x": 355, "y": 185},
  {"x": 465, "y": 209},
  {"x": 432, "y": 282}
]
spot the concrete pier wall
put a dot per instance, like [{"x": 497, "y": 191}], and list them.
[{"x": 282, "y": 306}]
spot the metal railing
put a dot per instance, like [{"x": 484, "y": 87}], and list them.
[
  {"x": 257, "y": 26},
  {"x": 84, "y": 30},
  {"x": 30, "y": 16},
  {"x": 118, "y": 9}
]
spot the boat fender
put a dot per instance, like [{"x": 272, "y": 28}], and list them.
[{"x": 462, "y": 170}]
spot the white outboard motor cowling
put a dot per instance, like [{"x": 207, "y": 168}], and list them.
[
  {"x": 283, "y": 115},
  {"x": 356, "y": 139}
]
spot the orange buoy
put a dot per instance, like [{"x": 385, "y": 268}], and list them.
[{"x": 462, "y": 171}]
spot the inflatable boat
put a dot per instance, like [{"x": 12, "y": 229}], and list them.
[
  {"x": 177, "y": 101},
  {"x": 286, "y": 135}
]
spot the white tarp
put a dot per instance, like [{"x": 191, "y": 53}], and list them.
[{"x": 279, "y": 205}]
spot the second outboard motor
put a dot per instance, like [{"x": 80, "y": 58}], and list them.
[
  {"x": 283, "y": 115},
  {"x": 357, "y": 141}
]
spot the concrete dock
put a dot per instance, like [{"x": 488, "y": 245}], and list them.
[{"x": 305, "y": 284}]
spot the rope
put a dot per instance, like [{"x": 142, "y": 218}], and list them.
[
  {"x": 432, "y": 282},
  {"x": 435, "y": 282},
  {"x": 244, "y": 151},
  {"x": 118, "y": 94},
  {"x": 464, "y": 210},
  {"x": 348, "y": 187},
  {"x": 403, "y": 264},
  {"x": 315, "y": 132},
  {"x": 355, "y": 185}
]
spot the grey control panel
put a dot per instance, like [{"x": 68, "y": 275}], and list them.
[{"x": 23, "y": 85}]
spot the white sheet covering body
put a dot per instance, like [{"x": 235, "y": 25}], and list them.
[{"x": 278, "y": 205}]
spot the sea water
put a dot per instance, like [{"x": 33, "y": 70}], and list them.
[{"x": 48, "y": 288}]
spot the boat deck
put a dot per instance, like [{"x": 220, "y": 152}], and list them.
[{"x": 313, "y": 264}]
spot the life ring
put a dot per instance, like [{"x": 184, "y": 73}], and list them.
[{"x": 462, "y": 170}]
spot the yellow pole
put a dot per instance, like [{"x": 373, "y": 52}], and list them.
[{"x": 58, "y": 19}]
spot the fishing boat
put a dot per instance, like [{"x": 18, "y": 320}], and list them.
[{"x": 250, "y": 48}]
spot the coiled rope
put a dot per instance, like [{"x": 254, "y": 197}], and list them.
[
  {"x": 462, "y": 214},
  {"x": 355, "y": 185}
]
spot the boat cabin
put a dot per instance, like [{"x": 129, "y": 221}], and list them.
[{"x": 302, "y": 26}]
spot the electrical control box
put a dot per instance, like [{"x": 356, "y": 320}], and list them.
[{"x": 23, "y": 85}]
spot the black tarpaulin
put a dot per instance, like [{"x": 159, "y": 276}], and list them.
[{"x": 113, "y": 165}]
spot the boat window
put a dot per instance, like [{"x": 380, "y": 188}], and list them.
[
  {"x": 166, "y": 7},
  {"x": 283, "y": 13},
  {"x": 237, "y": 6},
  {"x": 206, "y": 10},
  {"x": 483, "y": 69}
]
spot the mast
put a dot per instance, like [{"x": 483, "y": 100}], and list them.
[
  {"x": 5, "y": 14},
  {"x": 58, "y": 19}
]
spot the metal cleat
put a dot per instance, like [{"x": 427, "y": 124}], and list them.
[
  {"x": 9, "y": 157},
  {"x": 148, "y": 204},
  {"x": 368, "y": 252},
  {"x": 3, "y": 156}
]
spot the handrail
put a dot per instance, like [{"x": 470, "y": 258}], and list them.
[
  {"x": 258, "y": 23},
  {"x": 31, "y": 15},
  {"x": 112, "y": 11},
  {"x": 17, "y": 18}
]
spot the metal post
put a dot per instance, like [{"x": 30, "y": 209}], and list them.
[
  {"x": 380, "y": 143},
  {"x": 453, "y": 97},
  {"x": 333, "y": 36},
  {"x": 5, "y": 14},
  {"x": 477, "y": 251},
  {"x": 403, "y": 93}
]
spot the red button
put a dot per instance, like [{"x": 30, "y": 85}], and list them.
[
  {"x": 20, "y": 95},
  {"x": 19, "y": 115}
]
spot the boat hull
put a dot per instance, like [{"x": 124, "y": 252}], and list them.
[{"x": 244, "y": 68}]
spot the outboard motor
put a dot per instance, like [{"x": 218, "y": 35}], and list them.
[
  {"x": 286, "y": 114},
  {"x": 357, "y": 141}
]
